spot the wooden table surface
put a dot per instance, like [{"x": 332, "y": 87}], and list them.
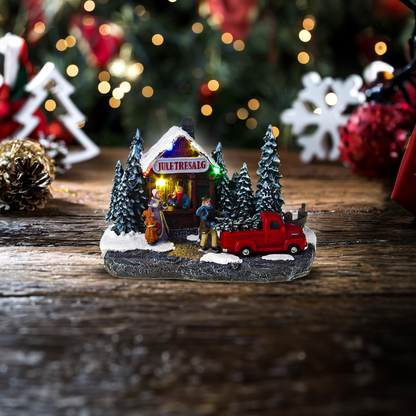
[{"x": 341, "y": 341}]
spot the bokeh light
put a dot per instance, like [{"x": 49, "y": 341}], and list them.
[
  {"x": 303, "y": 58},
  {"x": 251, "y": 123},
  {"x": 88, "y": 20},
  {"x": 380, "y": 48},
  {"x": 139, "y": 10},
  {"x": 118, "y": 93},
  {"x": 213, "y": 85},
  {"x": 305, "y": 35},
  {"x": 253, "y": 104},
  {"x": 147, "y": 91},
  {"x": 276, "y": 131},
  {"x": 125, "y": 86},
  {"x": 157, "y": 40},
  {"x": 39, "y": 27},
  {"x": 104, "y": 87},
  {"x": 61, "y": 45},
  {"x": 114, "y": 102},
  {"x": 227, "y": 38},
  {"x": 89, "y": 6},
  {"x": 105, "y": 29},
  {"x": 197, "y": 27},
  {"x": 206, "y": 110},
  {"x": 70, "y": 41},
  {"x": 239, "y": 45},
  {"x": 104, "y": 76},
  {"x": 242, "y": 113},
  {"x": 331, "y": 98},
  {"x": 50, "y": 105},
  {"x": 309, "y": 22},
  {"x": 72, "y": 70}
]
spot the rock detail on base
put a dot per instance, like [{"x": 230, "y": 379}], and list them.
[{"x": 140, "y": 264}]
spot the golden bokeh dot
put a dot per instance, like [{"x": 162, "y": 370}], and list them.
[
  {"x": 251, "y": 123},
  {"x": 88, "y": 20},
  {"x": 157, "y": 39},
  {"x": 139, "y": 67},
  {"x": 206, "y": 110},
  {"x": 104, "y": 87},
  {"x": 70, "y": 41},
  {"x": 125, "y": 86},
  {"x": 309, "y": 22},
  {"x": 105, "y": 29},
  {"x": 81, "y": 125},
  {"x": 305, "y": 35},
  {"x": 331, "y": 99},
  {"x": 227, "y": 38},
  {"x": 72, "y": 70},
  {"x": 61, "y": 45},
  {"x": 139, "y": 10},
  {"x": 197, "y": 27},
  {"x": 104, "y": 76},
  {"x": 380, "y": 48},
  {"x": 172, "y": 1},
  {"x": 147, "y": 91},
  {"x": 89, "y": 6},
  {"x": 114, "y": 102},
  {"x": 276, "y": 131},
  {"x": 253, "y": 104},
  {"x": 303, "y": 58},
  {"x": 118, "y": 93},
  {"x": 242, "y": 113},
  {"x": 213, "y": 85},
  {"x": 39, "y": 27},
  {"x": 239, "y": 45},
  {"x": 50, "y": 105}
]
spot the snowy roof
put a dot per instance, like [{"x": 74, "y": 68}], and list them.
[{"x": 166, "y": 142}]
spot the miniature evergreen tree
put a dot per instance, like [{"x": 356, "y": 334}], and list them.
[
  {"x": 233, "y": 185},
  {"x": 268, "y": 173},
  {"x": 244, "y": 207},
  {"x": 135, "y": 180},
  {"x": 114, "y": 192},
  {"x": 124, "y": 217},
  {"x": 222, "y": 183}
]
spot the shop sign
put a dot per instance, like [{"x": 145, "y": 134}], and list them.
[{"x": 181, "y": 165}]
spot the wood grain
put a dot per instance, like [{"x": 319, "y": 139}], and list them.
[{"x": 341, "y": 341}]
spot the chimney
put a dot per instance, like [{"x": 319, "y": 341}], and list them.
[{"x": 188, "y": 125}]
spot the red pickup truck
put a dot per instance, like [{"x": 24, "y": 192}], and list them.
[{"x": 276, "y": 236}]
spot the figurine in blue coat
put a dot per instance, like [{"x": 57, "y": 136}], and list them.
[{"x": 179, "y": 199}]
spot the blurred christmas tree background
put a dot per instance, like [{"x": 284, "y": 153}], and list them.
[{"x": 231, "y": 65}]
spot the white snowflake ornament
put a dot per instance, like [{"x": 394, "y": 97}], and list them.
[{"x": 322, "y": 103}]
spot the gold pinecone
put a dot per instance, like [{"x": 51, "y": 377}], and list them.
[{"x": 25, "y": 185}]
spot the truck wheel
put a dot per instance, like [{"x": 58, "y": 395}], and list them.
[
  {"x": 246, "y": 252},
  {"x": 294, "y": 249}
]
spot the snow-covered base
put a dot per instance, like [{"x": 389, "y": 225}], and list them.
[
  {"x": 192, "y": 237},
  {"x": 310, "y": 236},
  {"x": 221, "y": 258},
  {"x": 131, "y": 241},
  {"x": 278, "y": 257}
]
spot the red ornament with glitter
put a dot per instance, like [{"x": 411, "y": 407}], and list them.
[{"x": 374, "y": 140}]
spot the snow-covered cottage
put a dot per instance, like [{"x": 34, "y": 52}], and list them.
[{"x": 178, "y": 159}]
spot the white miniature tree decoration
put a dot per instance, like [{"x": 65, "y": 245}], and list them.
[
  {"x": 322, "y": 103},
  {"x": 61, "y": 91}
]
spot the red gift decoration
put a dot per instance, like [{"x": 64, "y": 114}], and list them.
[{"x": 404, "y": 192}]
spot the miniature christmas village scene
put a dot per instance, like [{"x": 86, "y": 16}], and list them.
[{"x": 177, "y": 215}]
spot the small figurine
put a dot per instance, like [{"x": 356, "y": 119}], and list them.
[
  {"x": 152, "y": 226},
  {"x": 179, "y": 199},
  {"x": 207, "y": 213},
  {"x": 157, "y": 206}
]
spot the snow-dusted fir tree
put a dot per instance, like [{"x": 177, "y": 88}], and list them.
[
  {"x": 268, "y": 172},
  {"x": 114, "y": 192},
  {"x": 222, "y": 183},
  {"x": 233, "y": 185},
  {"x": 244, "y": 206},
  {"x": 124, "y": 216},
  {"x": 136, "y": 181}
]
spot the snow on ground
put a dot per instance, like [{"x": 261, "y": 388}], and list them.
[
  {"x": 310, "y": 236},
  {"x": 131, "y": 241},
  {"x": 221, "y": 258},
  {"x": 192, "y": 237},
  {"x": 278, "y": 257}
]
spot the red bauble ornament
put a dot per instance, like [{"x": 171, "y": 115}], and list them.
[
  {"x": 404, "y": 192},
  {"x": 100, "y": 39},
  {"x": 236, "y": 16},
  {"x": 374, "y": 139}
]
